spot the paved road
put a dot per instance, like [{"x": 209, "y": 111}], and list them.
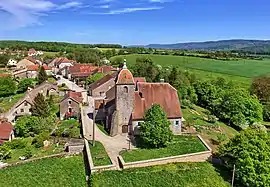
[{"x": 72, "y": 86}]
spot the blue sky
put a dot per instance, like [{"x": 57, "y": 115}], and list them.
[{"x": 134, "y": 21}]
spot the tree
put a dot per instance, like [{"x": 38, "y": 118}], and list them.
[
  {"x": 239, "y": 107},
  {"x": 145, "y": 67},
  {"x": 42, "y": 75},
  {"x": 7, "y": 86},
  {"x": 261, "y": 88},
  {"x": 155, "y": 130},
  {"x": 250, "y": 152},
  {"x": 40, "y": 106},
  {"x": 173, "y": 76},
  {"x": 93, "y": 78},
  {"x": 4, "y": 60},
  {"x": 24, "y": 84},
  {"x": 117, "y": 61},
  {"x": 27, "y": 126}
]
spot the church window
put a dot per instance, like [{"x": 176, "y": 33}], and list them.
[{"x": 126, "y": 89}]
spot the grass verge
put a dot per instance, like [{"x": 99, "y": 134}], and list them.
[
  {"x": 99, "y": 154},
  {"x": 180, "y": 174},
  {"x": 179, "y": 146}
]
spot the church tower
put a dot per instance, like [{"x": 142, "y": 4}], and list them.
[{"x": 124, "y": 99}]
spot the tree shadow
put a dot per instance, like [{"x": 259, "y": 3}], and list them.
[{"x": 224, "y": 172}]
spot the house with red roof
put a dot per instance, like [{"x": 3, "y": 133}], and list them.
[
  {"x": 124, "y": 105},
  {"x": 70, "y": 105},
  {"x": 31, "y": 52},
  {"x": 32, "y": 71},
  {"x": 6, "y": 131}
]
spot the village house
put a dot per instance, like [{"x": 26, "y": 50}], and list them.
[
  {"x": 32, "y": 71},
  {"x": 31, "y": 52},
  {"x": 6, "y": 131},
  {"x": 12, "y": 62},
  {"x": 70, "y": 105},
  {"x": 126, "y": 102},
  {"x": 22, "y": 64},
  {"x": 58, "y": 65}
]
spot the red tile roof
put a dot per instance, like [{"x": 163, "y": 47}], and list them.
[
  {"x": 5, "y": 130},
  {"x": 105, "y": 69},
  {"x": 139, "y": 79},
  {"x": 125, "y": 77},
  {"x": 77, "y": 96},
  {"x": 31, "y": 59},
  {"x": 36, "y": 67},
  {"x": 4, "y": 75},
  {"x": 82, "y": 68},
  {"x": 59, "y": 60},
  {"x": 156, "y": 93}
]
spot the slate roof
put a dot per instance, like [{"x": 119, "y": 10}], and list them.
[
  {"x": 5, "y": 130},
  {"x": 156, "y": 93}
]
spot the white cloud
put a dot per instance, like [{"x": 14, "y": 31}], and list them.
[
  {"x": 104, "y": 6},
  {"x": 21, "y": 13},
  {"x": 129, "y": 10}
]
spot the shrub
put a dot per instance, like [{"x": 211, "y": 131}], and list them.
[
  {"x": 5, "y": 152},
  {"x": 39, "y": 139},
  {"x": 17, "y": 144},
  {"x": 28, "y": 152},
  {"x": 212, "y": 119}
]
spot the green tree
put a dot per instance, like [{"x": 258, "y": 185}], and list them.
[
  {"x": 117, "y": 61},
  {"x": 93, "y": 78},
  {"x": 7, "y": 87},
  {"x": 173, "y": 76},
  {"x": 24, "y": 84},
  {"x": 27, "y": 126},
  {"x": 239, "y": 107},
  {"x": 155, "y": 130},
  {"x": 250, "y": 152},
  {"x": 42, "y": 75},
  {"x": 40, "y": 106},
  {"x": 4, "y": 60}
]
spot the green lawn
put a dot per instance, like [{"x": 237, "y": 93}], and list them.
[
  {"x": 69, "y": 128},
  {"x": 179, "y": 146},
  {"x": 7, "y": 102},
  {"x": 99, "y": 155},
  {"x": 171, "y": 175},
  {"x": 54, "y": 172},
  {"x": 241, "y": 71}
]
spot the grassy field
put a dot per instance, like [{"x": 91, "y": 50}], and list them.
[
  {"x": 99, "y": 155},
  {"x": 179, "y": 146},
  {"x": 54, "y": 172},
  {"x": 49, "y": 54},
  {"x": 241, "y": 71},
  {"x": 7, "y": 102},
  {"x": 172, "y": 175}
]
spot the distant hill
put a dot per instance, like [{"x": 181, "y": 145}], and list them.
[{"x": 242, "y": 45}]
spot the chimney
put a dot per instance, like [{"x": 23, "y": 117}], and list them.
[{"x": 162, "y": 80}]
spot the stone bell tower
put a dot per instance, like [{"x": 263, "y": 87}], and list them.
[{"x": 124, "y": 99}]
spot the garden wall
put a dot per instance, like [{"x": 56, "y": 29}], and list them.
[
  {"x": 193, "y": 157},
  {"x": 90, "y": 161}
]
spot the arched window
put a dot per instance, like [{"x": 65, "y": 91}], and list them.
[{"x": 126, "y": 89}]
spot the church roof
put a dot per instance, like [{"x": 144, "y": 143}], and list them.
[
  {"x": 125, "y": 76},
  {"x": 156, "y": 93}
]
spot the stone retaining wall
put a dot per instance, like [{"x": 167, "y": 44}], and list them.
[
  {"x": 193, "y": 157},
  {"x": 91, "y": 163}
]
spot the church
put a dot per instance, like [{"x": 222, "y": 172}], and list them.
[{"x": 127, "y": 98}]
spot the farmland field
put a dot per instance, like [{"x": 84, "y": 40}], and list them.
[
  {"x": 179, "y": 146},
  {"x": 241, "y": 71},
  {"x": 54, "y": 172},
  {"x": 171, "y": 175}
]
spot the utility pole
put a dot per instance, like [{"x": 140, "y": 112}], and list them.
[
  {"x": 233, "y": 174},
  {"x": 94, "y": 116}
]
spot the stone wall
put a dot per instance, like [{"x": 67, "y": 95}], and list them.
[
  {"x": 91, "y": 163},
  {"x": 193, "y": 157},
  {"x": 101, "y": 90}
]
